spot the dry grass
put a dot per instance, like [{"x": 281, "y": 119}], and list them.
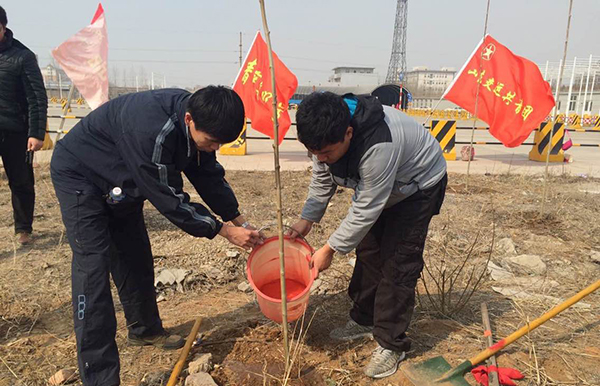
[{"x": 36, "y": 337}]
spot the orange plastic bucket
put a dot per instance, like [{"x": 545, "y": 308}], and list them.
[{"x": 263, "y": 274}]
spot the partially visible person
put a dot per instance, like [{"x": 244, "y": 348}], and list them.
[{"x": 23, "y": 114}]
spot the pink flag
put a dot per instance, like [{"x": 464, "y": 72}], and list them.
[{"x": 84, "y": 57}]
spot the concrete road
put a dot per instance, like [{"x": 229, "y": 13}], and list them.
[{"x": 495, "y": 159}]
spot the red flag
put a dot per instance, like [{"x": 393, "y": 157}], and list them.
[
  {"x": 84, "y": 57},
  {"x": 514, "y": 98},
  {"x": 253, "y": 85}
]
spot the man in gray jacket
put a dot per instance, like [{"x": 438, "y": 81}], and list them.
[{"x": 399, "y": 176}]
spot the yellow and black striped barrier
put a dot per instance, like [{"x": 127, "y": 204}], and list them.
[
  {"x": 549, "y": 138},
  {"x": 575, "y": 121},
  {"x": 64, "y": 116},
  {"x": 63, "y": 104},
  {"x": 445, "y": 133},
  {"x": 596, "y": 125},
  {"x": 237, "y": 147}
]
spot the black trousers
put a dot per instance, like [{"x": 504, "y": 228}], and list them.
[
  {"x": 105, "y": 239},
  {"x": 388, "y": 265},
  {"x": 13, "y": 148}
]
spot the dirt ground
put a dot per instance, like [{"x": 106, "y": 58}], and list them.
[{"x": 36, "y": 337}]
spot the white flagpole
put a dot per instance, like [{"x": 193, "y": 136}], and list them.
[
  {"x": 587, "y": 81},
  {"x": 578, "y": 101},
  {"x": 592, "y": 91},
  {"x": 546, "y": 71},
  {"x": 558, "y": 81},
  {"x": 568, "y": 106},
  {"x": 59, "y": 85}
]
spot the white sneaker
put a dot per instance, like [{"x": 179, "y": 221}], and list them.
[{"x": 383, "y": 363}]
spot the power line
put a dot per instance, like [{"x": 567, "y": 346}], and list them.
[{"x": 173, "y": 61}]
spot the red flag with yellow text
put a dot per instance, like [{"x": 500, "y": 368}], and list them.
[
  {"x": 514, "y": 98},
  {"x": 253, "y": 85}
]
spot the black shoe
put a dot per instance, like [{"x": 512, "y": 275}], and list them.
[{"x": 164, "y": 340}]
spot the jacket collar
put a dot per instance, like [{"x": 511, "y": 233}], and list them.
[
  {"x": 180, "y": 113},
  {"x": 8, "y": 40},
  {"x": 368, "y": 114}
]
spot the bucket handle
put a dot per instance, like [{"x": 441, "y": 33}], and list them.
[{"x": 312, "y": 250}]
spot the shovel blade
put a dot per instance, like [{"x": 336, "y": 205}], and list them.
[{"x": 429, "y": 372}]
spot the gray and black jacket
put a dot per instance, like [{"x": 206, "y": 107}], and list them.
[
  {"x": 23, "y": 100},
  {"x": 391, "y": 156}
]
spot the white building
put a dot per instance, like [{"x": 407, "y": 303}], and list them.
[
  {"x": 354, "y": 76},
  {"x": 56, "y": 81},
  {"x": 423, "y": 82}
]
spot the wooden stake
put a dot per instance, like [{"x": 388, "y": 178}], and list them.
[{"x": 284, "y": 323}]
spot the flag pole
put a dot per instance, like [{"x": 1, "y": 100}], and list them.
[
  {"x": 284, "y": 322},
  {"x": 560, "y": 73},
  {"x": 487, "y": 14},
  {"x": 587, "y": 83},
  {"x": 65, "y": 111}
]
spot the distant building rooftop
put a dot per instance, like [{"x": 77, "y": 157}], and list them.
[{"x": 354, "y": 68}]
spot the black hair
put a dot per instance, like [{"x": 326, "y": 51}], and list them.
[
  {"x": 217, "y": 111},
  {"x": 322, "y": 120},
  {"x": 3, "y": 18}
]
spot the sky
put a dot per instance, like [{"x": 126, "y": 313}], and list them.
[{"x": 196, "y": 42}]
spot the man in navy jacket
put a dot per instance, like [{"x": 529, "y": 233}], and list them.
[{"x": 128, "y": 150}]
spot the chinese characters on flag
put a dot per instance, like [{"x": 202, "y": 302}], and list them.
[
  {"x": 84, "y": 57},
  {"x": 253, "y": 85},
  {"x": 514, "y": 98}
]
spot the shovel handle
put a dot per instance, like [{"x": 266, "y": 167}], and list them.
[
  {"x": 533, "y": 324},
  {"x": 184, "y": 353}
]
